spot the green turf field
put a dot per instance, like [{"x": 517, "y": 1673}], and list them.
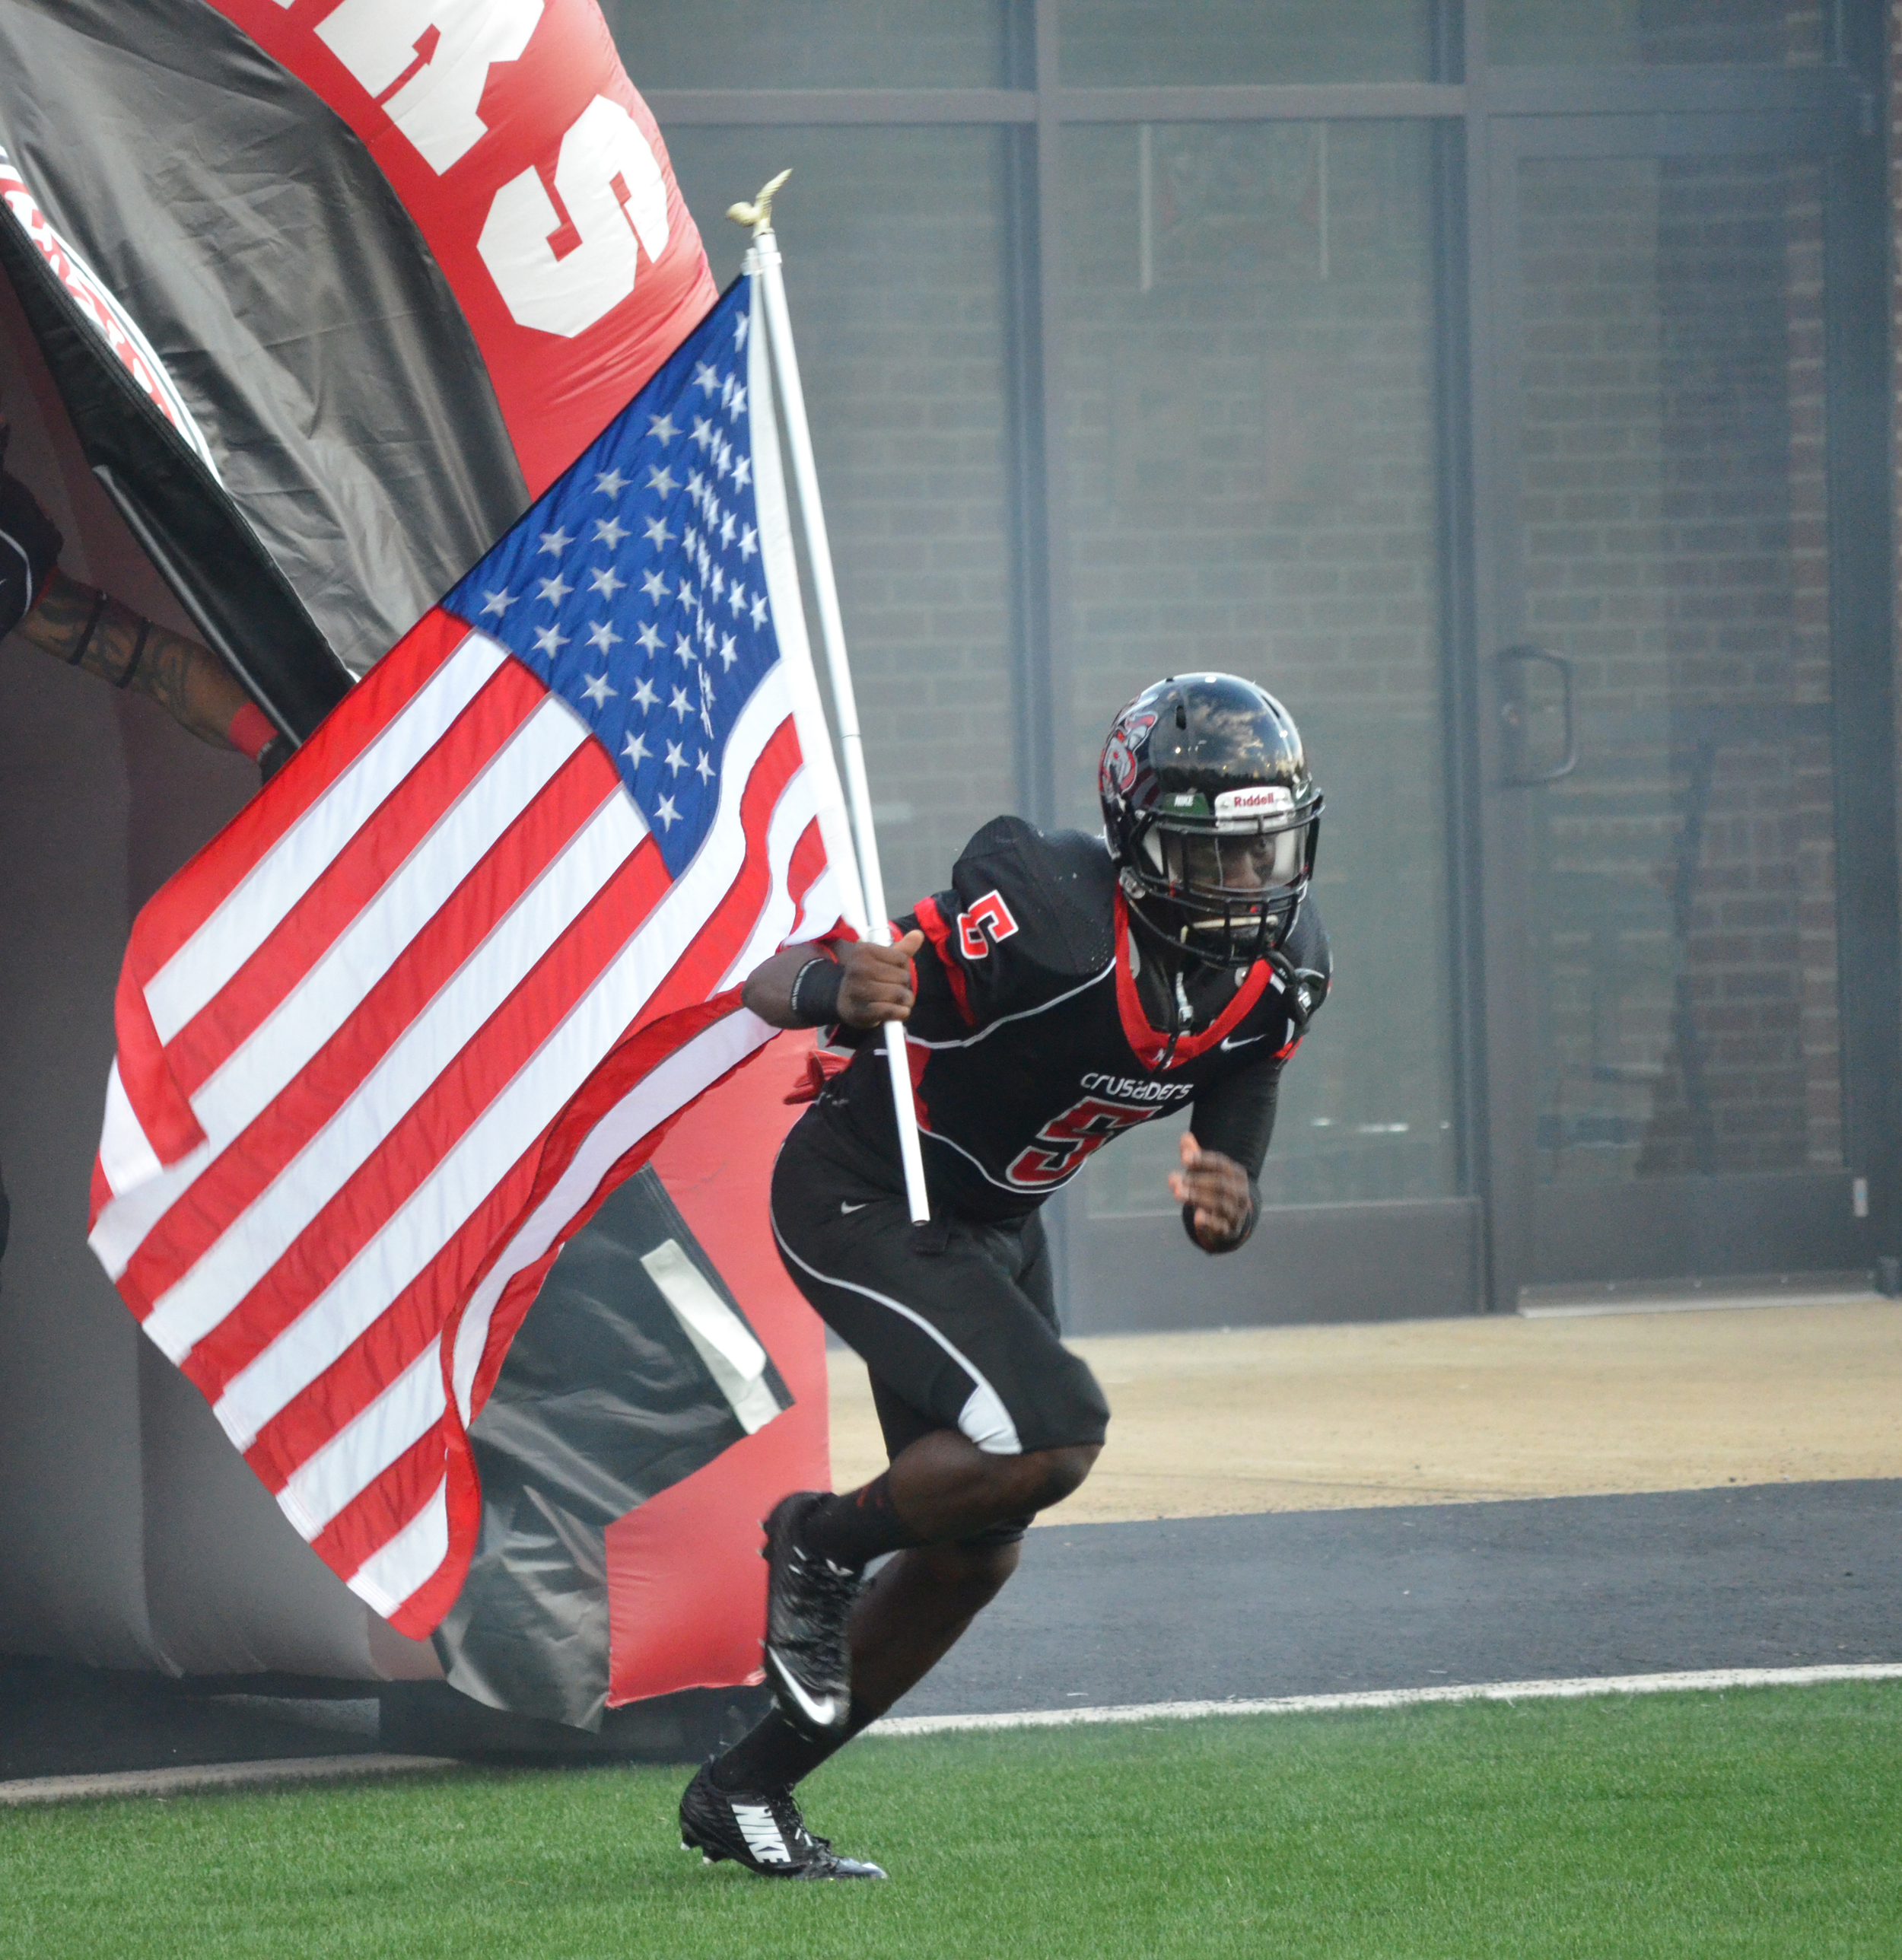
[{"x": 1763, "y": 1822}]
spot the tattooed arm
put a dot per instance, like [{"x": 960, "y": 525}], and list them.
[
  {"x": 93, "y": 630},
  {"x": 89, "y": 628}
]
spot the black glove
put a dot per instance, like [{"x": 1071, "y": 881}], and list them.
[{"x": 30, "y": 548}]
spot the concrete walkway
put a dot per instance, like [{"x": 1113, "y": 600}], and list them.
[{"x": 1450, "y": 1411}]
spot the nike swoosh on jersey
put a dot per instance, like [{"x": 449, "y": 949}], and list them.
[
  {"x": 859, "y": 1207},
  {"x": 1229, "y": 1041},
  {"x": 822, "y": 1713}
]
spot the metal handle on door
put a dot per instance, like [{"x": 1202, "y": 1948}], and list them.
[{"x": 1511, "y": 715}]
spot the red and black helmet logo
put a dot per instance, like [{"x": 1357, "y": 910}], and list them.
[{"x": 1131, "y": 732}]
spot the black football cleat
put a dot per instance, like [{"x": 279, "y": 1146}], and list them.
[
  {"x": 808, "y": 1600},
  {"x": 761, "y": 1830}
]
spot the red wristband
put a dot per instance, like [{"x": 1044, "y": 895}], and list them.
[{"x": 251, "y": 729}]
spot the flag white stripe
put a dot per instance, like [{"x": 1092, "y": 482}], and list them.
[
  {"x": 252, "y": 910},
  {"x": 442, "y": 1204},
  {"x": 254, "y": 1242},
  {"x": 277, "y": 1050},
  {"x": 125, "y": 1152},
  {"x": 395, "y": 1569},
  {"x": 793, "y": 812},
  {"x": 819, "y": 911},
  {"x": 122, "y": 1225},
  {"x": 367, "y": 1445},
  {"x": 671, "y": 1085}
]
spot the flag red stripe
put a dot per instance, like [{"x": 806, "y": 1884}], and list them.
[
  {"x": 803, "y": 868},
  {"x": 196, "y": 892},
  {"x": 451, "y": 770},
  {"x": 163, "y": 1112},
  {"x": 376, "y": 1514},
  {"x": 250, "y": 1162},
  {"x": 416, "y": 1616}
]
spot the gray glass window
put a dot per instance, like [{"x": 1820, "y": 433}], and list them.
[
  {"x": 1251, "y": 430},
  {"x": 1128, "y": 42},
  {"x": 811, "y": 44},
  {"x": 895, "y": 252},
  {"x": 1604, "y": 33}
]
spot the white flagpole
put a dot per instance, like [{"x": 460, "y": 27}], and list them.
[{"x": 832, "y": 626}]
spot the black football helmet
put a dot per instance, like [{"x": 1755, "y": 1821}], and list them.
[{"x": 1211, "y": 814}]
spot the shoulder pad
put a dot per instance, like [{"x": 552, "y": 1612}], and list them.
[{"x": 1057, "y": 892}]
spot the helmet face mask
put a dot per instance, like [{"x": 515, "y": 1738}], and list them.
[{"x": 1212, "y": 816}]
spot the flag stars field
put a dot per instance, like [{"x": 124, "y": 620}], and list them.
[{"x": 667, "y": 573}]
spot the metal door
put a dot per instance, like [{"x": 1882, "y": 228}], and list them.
[{"x": 1688, "y": 894}]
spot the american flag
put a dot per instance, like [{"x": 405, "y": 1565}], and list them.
[{"x": 387, "y": 1042}]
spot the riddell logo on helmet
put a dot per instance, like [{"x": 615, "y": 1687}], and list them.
[{"x": 1263, "y": 799}]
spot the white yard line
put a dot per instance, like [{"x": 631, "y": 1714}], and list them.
[
  {"x": 284, "y": 1771},
  {"x": 1396, "y": 1697}
]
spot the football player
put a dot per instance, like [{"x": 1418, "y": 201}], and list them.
[
  {"x": 89, "y": 628},
  {"x": 1064, "y": 989}
]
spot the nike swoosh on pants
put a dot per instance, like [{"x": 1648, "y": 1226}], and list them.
[{"x": 822, "y": 1713}]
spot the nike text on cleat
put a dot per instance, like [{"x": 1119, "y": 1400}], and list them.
[
  {"x": 809, "y": 1600},
  {"x": 761, "y": 1830}
]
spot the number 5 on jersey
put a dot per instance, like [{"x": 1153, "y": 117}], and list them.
[
  {"x": 989, "y": 914},
  {"x": 1065, "y": 1140}
]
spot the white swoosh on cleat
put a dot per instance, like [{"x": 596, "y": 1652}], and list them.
[{"x": 822, "y": 1714}]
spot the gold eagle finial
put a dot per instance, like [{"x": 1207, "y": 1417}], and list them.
[{"x": 759, "y": 213}]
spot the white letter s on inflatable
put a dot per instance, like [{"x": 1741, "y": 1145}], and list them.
[{"x": 607, "y": 178}]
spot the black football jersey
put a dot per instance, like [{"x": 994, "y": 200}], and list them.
[{"x": 1030, "y": 1045}]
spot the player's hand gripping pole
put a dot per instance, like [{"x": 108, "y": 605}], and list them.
[{"x": 818, "y": 554}]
